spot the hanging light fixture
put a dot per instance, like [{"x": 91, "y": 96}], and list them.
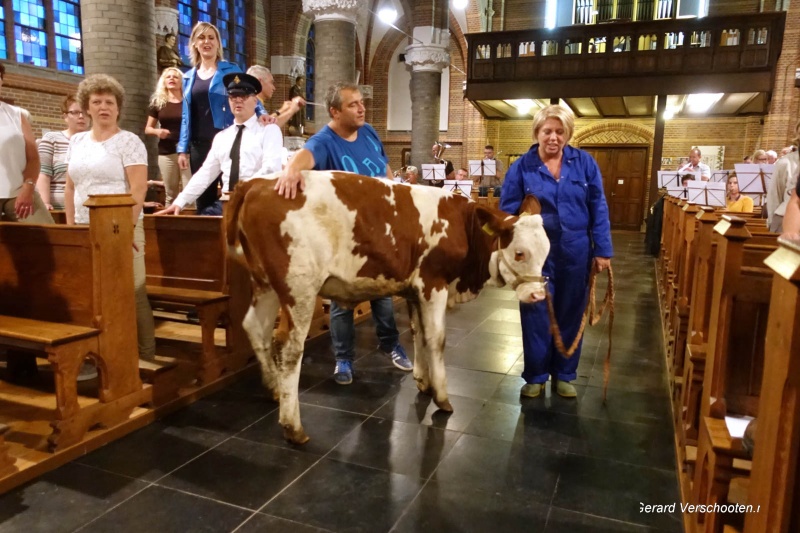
[{"x": 460, "y": 4}]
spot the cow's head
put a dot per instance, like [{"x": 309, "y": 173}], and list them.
[{"x": 520, "y": 248}]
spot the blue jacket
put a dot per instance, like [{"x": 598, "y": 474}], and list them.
[
  {"x": 217, "y": 97},
  {"x": 571, "y": 207}
]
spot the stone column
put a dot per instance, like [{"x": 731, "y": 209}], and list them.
[
  {"x": 427, "y": 62},
  {"x": 335, "y": 40},
  {"x": 118, "y": 41}
]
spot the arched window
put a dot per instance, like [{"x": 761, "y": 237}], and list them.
[
  {"x": 310, "y": 70},
  {"x": 47, "y": 33},
  {"x": 227, "y": 15}
]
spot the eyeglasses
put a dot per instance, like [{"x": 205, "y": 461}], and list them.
[
  {"x": 76, "y": 113},
  {"x": 239, "y": 97}
]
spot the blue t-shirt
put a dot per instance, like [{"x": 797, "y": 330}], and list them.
[{"x": 363, "y": 156}]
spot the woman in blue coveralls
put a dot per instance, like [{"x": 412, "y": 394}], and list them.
[{"x": 569, "y": 186}]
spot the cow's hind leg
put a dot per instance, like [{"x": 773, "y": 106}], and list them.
[
  {"x": 421, "y": 373},
  {"x": 432, "y": 314},
  {"x": 288, "y": 359},
  {"x": 259, "y": 323}
]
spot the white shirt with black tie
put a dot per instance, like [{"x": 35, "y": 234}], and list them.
[{"x": 259, "y": 154}]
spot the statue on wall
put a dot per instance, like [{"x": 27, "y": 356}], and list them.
[
  {"x": 298, "y": 120},
  {"x": 168, "y": 56}
]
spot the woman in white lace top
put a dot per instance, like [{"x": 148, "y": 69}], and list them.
[{"x": 109, "y": 160}]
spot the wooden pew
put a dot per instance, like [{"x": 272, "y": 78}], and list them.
[
  {"x": 775, "y": 481},
  {"x": 68, "y": 295},
  {"x": 734, "y": 362},
  {"x": 186, "y": 266},
  {"x": 7, "y": 466}
]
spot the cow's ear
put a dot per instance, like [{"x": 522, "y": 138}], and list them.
[
  {"x": 531, "y": 206},
  {"x": 492, "y": 221}
]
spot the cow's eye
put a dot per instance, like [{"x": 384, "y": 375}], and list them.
[{"x": 519, "y": 256}]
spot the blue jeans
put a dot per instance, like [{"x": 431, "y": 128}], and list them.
[
  {"x": 343, "y": 330},
  {"x": 211, "y": 210}
]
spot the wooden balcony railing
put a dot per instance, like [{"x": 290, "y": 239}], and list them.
[{"x": 712, "y": 54}]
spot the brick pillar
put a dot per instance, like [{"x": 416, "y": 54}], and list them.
[
  {"x": 427, "y": 62},
  {"x": 335, "y": 30},
  {"x": 118, "y": 41},
  {"x": 784, "y": 109}
]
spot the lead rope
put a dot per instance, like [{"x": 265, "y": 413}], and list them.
[{"x": 591, "y": 315}]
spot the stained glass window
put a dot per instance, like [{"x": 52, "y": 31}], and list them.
[
  {"x": 67, "y": 26},
  {"x": 41, "y": 37},
  {"x": 310, "y": 69},
  {"x": 30, "y": 34},
  {"x": 229, "y": 18},
  {"x": 3, "y": 50}
]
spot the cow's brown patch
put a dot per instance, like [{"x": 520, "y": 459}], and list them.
[
  {"x": 370, "y": 199},
  {"x": 260, "y": 215}
]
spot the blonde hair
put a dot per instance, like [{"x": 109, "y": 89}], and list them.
[
  {"x": 161, "y": 94},
  {"x": 757, "y": 154},
  {"x": 199, "y": 29},
  {"x": 100, "y": 84},
  {"x": 560, "y": 113}
]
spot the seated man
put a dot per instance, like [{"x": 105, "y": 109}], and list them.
[
  {"x": 243, "y": 150},
  {"x": 412, "y": 175},
  {"x": 495, "y": 181}
]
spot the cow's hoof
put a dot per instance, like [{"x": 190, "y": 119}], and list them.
[
  {"x": 444, "y": 405},
  {"x": 295, "y": 436}
]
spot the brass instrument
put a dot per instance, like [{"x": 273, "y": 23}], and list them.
[{"x": 438, "y": 150}]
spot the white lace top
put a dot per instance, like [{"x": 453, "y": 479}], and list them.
[{"x": 99, "y": 167}]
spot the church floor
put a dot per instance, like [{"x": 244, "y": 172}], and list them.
[{"x": 381, "y": 458}]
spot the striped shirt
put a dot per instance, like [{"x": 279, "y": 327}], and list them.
[{"x": 52, "y": 153}]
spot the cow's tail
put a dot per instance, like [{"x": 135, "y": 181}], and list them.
[{"x": 232, "y": 218}]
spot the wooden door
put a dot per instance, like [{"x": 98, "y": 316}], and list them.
[{"x": 624, "y": 171}]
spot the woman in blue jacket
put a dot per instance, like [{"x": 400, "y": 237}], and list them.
[
  {"x": 569, "y": 186},
  {"x": 205, "y": 107}
]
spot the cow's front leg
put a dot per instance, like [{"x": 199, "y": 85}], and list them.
[
  {"x": 259, "y": 323},
  {"x": 432, "y": 314},
  {"x": 421, "y": 373}
]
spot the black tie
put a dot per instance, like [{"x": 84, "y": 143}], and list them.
[{"x": 237, "y": 143}]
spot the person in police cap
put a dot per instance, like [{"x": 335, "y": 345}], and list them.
[{"x": 241, "y": 151}]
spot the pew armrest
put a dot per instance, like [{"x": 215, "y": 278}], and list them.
[{"x": 184, "y": 296}]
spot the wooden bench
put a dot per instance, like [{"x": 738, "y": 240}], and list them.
[
  {"x": 734, "y": 363},
  {"x": 186, "y": 266},
  {"x": 7, "y": 466},
  {"x": 775, "y": 481},
  {"x": 68, "y": 296}
]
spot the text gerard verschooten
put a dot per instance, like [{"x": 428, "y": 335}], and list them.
[{"x": 690, "y": 508}]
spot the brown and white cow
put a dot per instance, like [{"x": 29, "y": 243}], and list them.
[{"x": 353, "y": 238}]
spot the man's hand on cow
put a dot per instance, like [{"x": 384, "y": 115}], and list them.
[
  {"x": 171, "y": 210},
  {"x": 289, "y": 182},
  {"x": 602, "y": 263}
]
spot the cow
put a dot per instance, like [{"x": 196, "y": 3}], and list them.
[{"x": 353, "y": 238}]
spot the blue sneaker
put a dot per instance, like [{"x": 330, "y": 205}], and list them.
[
  {"x": 343, "y": 373},
  {"x": 399, "y": 358}
]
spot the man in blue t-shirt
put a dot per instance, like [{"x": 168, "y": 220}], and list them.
[{"x": 348, "y": 143}]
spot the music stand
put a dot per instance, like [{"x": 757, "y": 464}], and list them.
[
  {"x": 719, "y": 176},
  {"x": 432, "y": 172},
  {"x": 716, "y": 194},
  {"x": 480, "y": 168},
  {"x": 696, "y": 192},
  {"x": 676, "y": 192},
  {"x": 463, "y": 187},
  {"x": 668, "y": 178}
]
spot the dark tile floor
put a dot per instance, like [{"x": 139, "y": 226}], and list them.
[{"x": 382, "y": 458}]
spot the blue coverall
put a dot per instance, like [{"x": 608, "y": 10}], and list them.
[{"x": 575, "y": 216}]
